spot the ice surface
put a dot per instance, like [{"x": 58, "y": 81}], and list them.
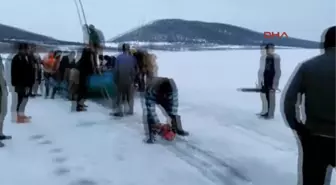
[{"x": 228, "y": 144}]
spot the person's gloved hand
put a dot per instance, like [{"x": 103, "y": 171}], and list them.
[{"x": 259, "y": 84}]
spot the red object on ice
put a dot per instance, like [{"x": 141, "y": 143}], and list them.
[
  {"x": 169, "y": 136},
  {"x": 167, "y": 133}
]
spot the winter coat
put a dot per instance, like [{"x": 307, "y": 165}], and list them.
[
  {"x": 315, "y": 79},
  {"x": 86, "y": 64},
  {"x": 162, "y": 91},
  {"x": 125, "y": 69},
  {"x": 93, "y": 36},
  {"x": 22, "y": 71}
]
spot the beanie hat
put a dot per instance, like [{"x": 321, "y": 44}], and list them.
[
  {"x": 329, "y": 38},
  {"x": 269, "y": 46}
]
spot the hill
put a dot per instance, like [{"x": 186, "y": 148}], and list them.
[
  {"x": 186, "y": 32},
  {"x": 12, "y": 34}
]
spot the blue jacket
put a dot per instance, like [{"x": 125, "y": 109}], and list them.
[{"x": 125, "y": 69}]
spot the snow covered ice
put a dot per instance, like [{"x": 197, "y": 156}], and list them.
[{"x": 228, "y": 145}]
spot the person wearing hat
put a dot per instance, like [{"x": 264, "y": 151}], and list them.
[
  {"x": 314, "y": 82},
  {"x": 268, "y": 79}
]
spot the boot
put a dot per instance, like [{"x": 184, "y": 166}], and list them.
[
  {"x": 177, "y": 126},
  {"x": 5, "y": 137},
  {"x": 266, "y": 116},
  {"x": 151, "y": 134},
  {"x": 264, "y": 105},
  {"x": 46, "y": 95},
  {"x": 2, "y": 145},
  {"x": 53, "y": 93},
  {"x": 151, "y": 138},
  {"x": 118, "y": 114},
  {"x": 80, "y": 108},
  {"x": 22, "y": 119}
]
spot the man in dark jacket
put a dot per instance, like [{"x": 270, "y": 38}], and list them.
[
  {"x": 22, "y": 77},
  {"x": 86, "y": 67},
  {"x": 269, "y": 76},
  {"x": 314, "y": 81},
  {"x": 162, "y": 91}
]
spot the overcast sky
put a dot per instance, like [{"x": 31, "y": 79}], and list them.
[{"x": 58, "y": 18}]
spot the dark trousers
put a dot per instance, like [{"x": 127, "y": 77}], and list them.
[
  {"x": 56, "y": 87},
  {"x": 125, "y": 94},
  {"x": 22, "y": 99},
  {"x": 270, "y": 98},
  {"x": 82, "y": 91},
  {"x": 47, "y": 83},
  {"x": 140, "y": 81},
  {"x": 318, "y": 153}
]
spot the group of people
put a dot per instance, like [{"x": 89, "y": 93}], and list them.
[
  {"x": 64, "y": 73},
  {"x": 312, "y": 83}
]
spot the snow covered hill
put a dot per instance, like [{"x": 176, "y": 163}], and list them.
[
  {"x": 11, "y": 34},
  {"x": 228, "y": 145},
  {"x": 193, "y": 34}
]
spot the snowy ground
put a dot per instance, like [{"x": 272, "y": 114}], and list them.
[{"x": 228, "y": 144}]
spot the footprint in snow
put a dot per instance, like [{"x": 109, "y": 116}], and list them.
[
  {"x": 59, "y": 160},
  {"x": 56, "y": 150},
  {"x": 86, "y": 124},
  {"x": 83, "y": 182},
  {"x": 61, "y": 171},
  {"x": 45, "y": 142},
  {"x": 36, "y": 137}
]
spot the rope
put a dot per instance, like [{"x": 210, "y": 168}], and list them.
[{"x": 79, "y": 15}]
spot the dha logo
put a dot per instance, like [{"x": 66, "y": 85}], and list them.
[{"x": 271, "y": 35}]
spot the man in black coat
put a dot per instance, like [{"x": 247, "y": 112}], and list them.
[
  {"x": 23, "y": 78},
  {"x": 313, "y": 85},
  {"x": 86, "y": 67}
]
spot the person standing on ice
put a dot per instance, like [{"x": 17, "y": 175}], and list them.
[
  {"x": 8, "y": 70},
  {"x": 32, "y": 56},
  {"x": 86, "y": 67},
  {"x": 124, "y": 78},
  {"x": 315, "y": 79},
  {"x": 22, "y": 78},
  {"x": 162, "y": 91},
  {"x": 3, "y": 103},
  {"x": 94, "y": 38},
  {"x": 64, "y": 70},
  {"x": 51, "y": 64},
  {"x": 268, "y": 80}
]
